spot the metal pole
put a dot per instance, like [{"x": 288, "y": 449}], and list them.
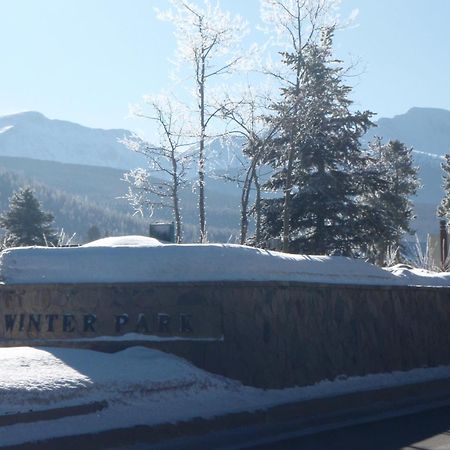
[{"x": 443, "y": 240}]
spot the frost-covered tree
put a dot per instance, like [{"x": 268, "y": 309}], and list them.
[
  {"x": 317, "y": 159},
  {"x": 26, "y": 223},
  {"x": 246, "y": 115},
  {"x": 207, "y": 39},
  {"x": 393, "y": 200},
  {"x": 93, "y": 233},
  {"x": 444, "y": 207},
  {"x": 158, "y": 185},
  {"x": 294, "y": 25}
]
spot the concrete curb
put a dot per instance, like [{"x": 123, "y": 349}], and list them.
[
  {"x": 51, "y": 414},
  {"x": 310, "y": 414}
]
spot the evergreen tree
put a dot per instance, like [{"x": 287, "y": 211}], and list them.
[
  {"x": 317, "y": 160},
  {"x": 392, "y": 203},
  {"x": 444, "y": 207},
  {"x": 93, "y": 233},
  {"x": 26, "y": 223}
]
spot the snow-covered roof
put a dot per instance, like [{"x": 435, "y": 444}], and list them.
[{"x": 135, "y": 259}]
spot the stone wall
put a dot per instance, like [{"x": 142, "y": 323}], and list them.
[{"x": 264, "y": 334}]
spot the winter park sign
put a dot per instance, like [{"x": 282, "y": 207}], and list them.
[
  {"x": 56, "y": 324},
  {"x": 50, "y": 312},
  {"x": 265, "y": 318}
]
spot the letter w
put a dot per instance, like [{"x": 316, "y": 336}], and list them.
[{"x": 10, "y": 320}]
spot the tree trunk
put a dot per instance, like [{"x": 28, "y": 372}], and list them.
[
  {"x": 257, "y": 211},
  {"x": 176, "y": 204},
  {"x": 244, "y": 200},
  {"x": 287, "y": 201},
  {"x": 320, "y": 220},
  {"x": 288, "y": 185},
  {"x": 201, "y": 157}
]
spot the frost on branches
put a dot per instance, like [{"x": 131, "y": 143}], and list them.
[
  {"x": 207, "y": 47},
  {"x": 159, "y": 184}
]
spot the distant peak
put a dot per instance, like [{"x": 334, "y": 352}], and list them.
[
  {"x": 30, "y": 117},
  {"x": 33, "y": 115},
  {"x": 418, "y": 113},
  {"x": 425, "y": 110}
]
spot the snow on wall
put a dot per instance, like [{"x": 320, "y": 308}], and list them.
[{"x": 134, "y": 259}]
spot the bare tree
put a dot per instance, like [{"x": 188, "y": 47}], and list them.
[
  {"x": 247, "y": 116},
  {"x": 158, "y": 185},
  {"x": 207, "y": 39}
]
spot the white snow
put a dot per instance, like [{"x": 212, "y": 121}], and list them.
[
  {"x": 419, "y": 277},
  {"x": 5, "y": 128},
  {"x": 33, "y": 378},
  {"x": 142, "y": 259},
  {"x": 125, "y": 241},
  {"x": 32, "y": 135},
  {"x": 133, "y": 337},
  {"x": 137, "y": 259},
  {"x": 144, "y": 387}
]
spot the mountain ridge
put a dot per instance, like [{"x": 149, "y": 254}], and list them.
[
  {"x": 31, "y": 134},
  {"x": 427, "y": 130}
]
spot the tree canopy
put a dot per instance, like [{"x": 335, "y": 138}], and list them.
[{"x": 317, "y": 159}]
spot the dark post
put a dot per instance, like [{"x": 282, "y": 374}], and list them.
[
  {"x": 163, "y": 231},
  {"x": 443, "y": 240}
]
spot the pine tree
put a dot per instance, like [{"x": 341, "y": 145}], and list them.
[
  {"x": 25, "y": 222},
  {"x": 317, "y": 160},
  {"x": 93, "y": 233},
  {"x": 392, "y": 202},
  {"x": 444, "y": 207}
]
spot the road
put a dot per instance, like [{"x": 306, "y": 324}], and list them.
[
  {"x": 423, "y": 426},
  {"x": 427, "y": 430}
]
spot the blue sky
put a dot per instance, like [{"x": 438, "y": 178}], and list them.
[{"x": 87, "y": 60}]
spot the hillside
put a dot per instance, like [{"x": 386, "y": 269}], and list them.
[
  {"x": 32, "y": 135},
  {"x": 72, "y": 213},
  {"x": 98, "y": 189},
  {"x": 101, "y": 185},
  {"x": 87, "y": 165},
  {"x": 425, "y": 129}
]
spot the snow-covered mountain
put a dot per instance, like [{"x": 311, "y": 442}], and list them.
[
  {"x": 425, "y": 129},
  {"x": 32, "y": 135}
]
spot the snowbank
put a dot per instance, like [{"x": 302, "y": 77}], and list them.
[
  {"x": 134, "y": 259},
  {"x": 33, "y": 379},
  {"x": 144, "y": 387},
  {"x": 145, "y": 260},
  {"x": 419, "y": 277},
  {"x": 125, "y": 241}
]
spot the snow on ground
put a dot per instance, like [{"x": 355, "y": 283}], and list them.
[
  {"x": 144, "y": 387},
  {"x": 125, "y": 241},
  {"x": 419, "y": 277},
  {"x": 32, "y": 378},
  {"x": 5, "y": 129},
  {"x": 142, "y": 259}
]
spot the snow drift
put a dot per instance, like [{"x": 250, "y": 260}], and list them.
[
  {"x": 145, "y": 387},
  {"x": 136, "y": 259}
]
